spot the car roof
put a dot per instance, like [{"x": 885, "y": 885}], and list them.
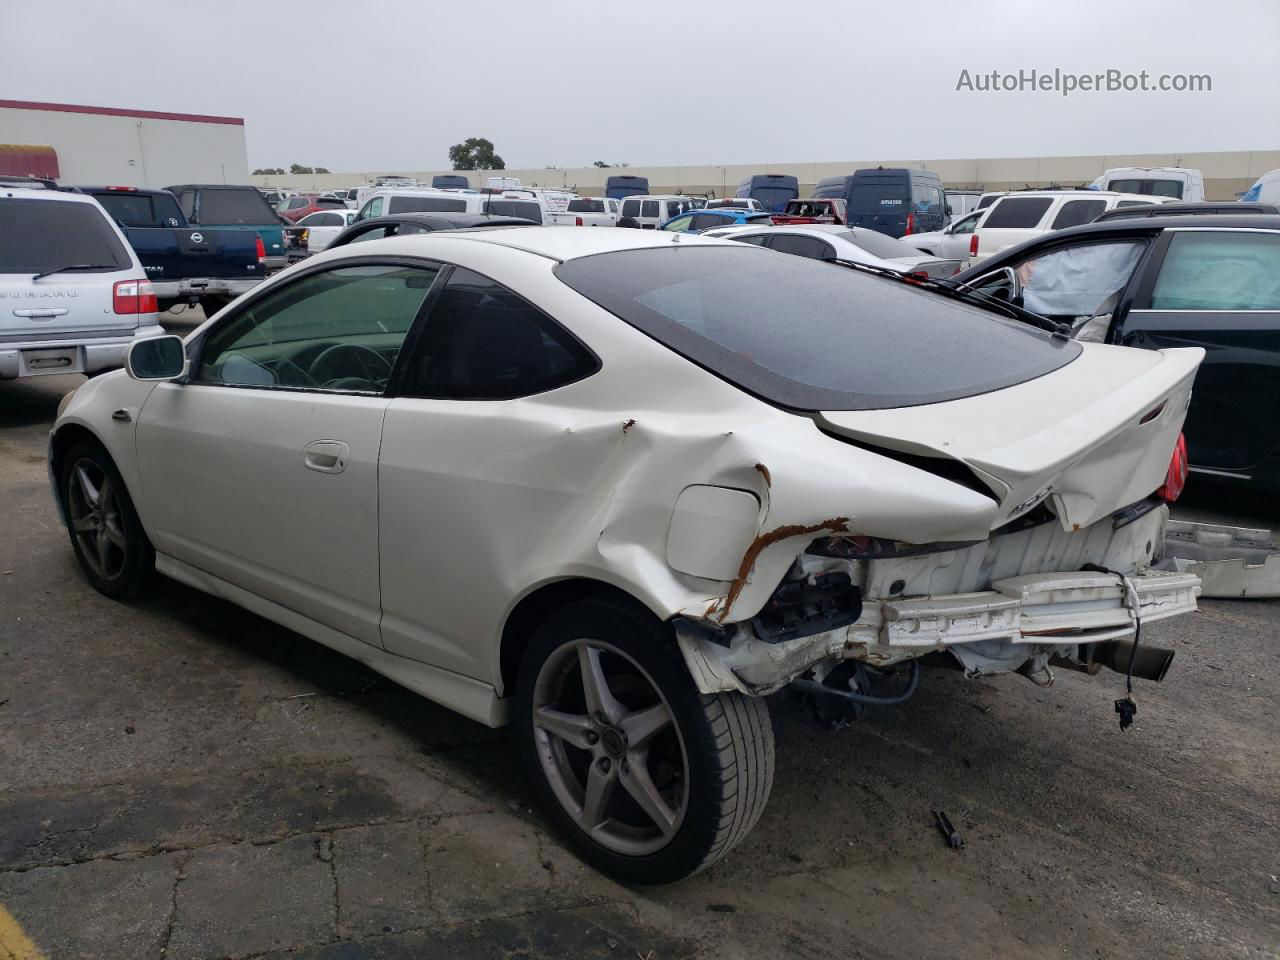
[
  {"x": 1203, "y": 208},
  {"x": 554, "y": 243},
  {"x": 39, "y": 193}
]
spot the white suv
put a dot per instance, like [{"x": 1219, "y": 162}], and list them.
[
  {"x": 1021, "y": 215},
  {"x": 73, "y": 295}
]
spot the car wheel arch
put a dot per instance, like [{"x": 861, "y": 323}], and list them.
[{"x": 533, "y": 609}]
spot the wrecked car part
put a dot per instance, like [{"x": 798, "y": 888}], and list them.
[
  {"x": 859, "y": 679},
  {"x": 1230, "y": 561},
  {"x": 949, "y": 832},
  {"x": 808, "y": 605}
]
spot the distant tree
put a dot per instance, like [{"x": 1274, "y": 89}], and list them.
[
  {"x": 268, "y": 172},
  {"x": 298, "y": 168},
  {"x": 475, "y": 153},
  {"x": 601, "y": 164},
  {"x": 322, "y": 170}
]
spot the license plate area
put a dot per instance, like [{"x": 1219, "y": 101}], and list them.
[{"x": 35, "y": 363}]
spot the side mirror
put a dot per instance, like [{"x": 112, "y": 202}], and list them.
[{"x": 157, "y": 358}]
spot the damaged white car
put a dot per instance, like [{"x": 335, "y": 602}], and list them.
[{"x": 617, "y": 486}]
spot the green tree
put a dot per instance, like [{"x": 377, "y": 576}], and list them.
[
  {"x": 298, "y": 168},
  {"x": 475, "y": 153},
  {"x": 268, "y": 172},
  {"x": 601, "y": 164}
]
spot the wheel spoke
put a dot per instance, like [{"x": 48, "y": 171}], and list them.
[
  {"x": 569, "y": 727},
  {"x": 85, "y": 524},
  {"x": 104, "y": 551},
  {"x": 637, "y": 782},
  {"x": 106, "y": 498},
  {"x": 113, "y": 534},
  {"x": 86, "y": 487},
  {"x": 596, "y": 798},
  {"x": 594, "y": 684},
  {"x": 641, "y": 726}
]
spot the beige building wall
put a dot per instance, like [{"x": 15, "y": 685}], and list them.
[
  {"x": 97, "y": 145},
  {"x": 1226, "y": 174}
]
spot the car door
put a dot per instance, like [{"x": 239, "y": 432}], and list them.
[
  {"x": 473, "y": 467},
  {"x": 262, "y": 468},
  {"x": 954, "y": 244},
  {"x": 1219, "y": 289}
]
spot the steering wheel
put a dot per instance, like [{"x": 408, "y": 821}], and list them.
[{"x": 349, "y": 361}]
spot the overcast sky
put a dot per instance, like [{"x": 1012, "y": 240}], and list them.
[{"x": 357, "y": 86}]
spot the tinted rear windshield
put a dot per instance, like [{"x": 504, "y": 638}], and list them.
[
  {"x": 140, "y": 209},
  {"x": 1017, "y": 212},
  {"x": 586, "y": 206},
  {"x": 879, "y": 195},
  {"x": 40, "y": 235},
  {"x": 427, "y": 205},
  {"x": 527, "y": 209},
  {"x": 811, "y": 336},
  {"x": 235, "y": 206},
  {"x": 879, "y": 245},
  {"x": 1155, "y": 188}
]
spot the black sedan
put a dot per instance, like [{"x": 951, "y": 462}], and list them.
[
  {"x": 401, "y": 224},
  {"x": 1153, "y": 282}
]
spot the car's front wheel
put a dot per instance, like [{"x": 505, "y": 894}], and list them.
[
  {"x": 107, "y": 536},
  {"x": 649, "y": 779}
]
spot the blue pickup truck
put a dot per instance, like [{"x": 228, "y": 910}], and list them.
[
  {"x": 185, "y": 264},
  {"x": 232, "y": 207}
]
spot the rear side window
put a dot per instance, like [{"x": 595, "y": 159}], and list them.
[
  {"x": 705, "y": 221},
  {"x": 426, "y": 205},
  {"x": 586, "y": 206},
  {"x": 984, "y": 202},
  {"x": 649, "y": 208},
  {"x": 1219, "y": 271},
  {"x": 40, "y": 235},
  {"x": 631, "y": 208},
  {"x": 1076, "y": 212},
  {"x": 879, "y": 245},
  {"x": 481, "y": 341},
  {"x": 1155, "y": 188},
  {"x": 1017, "y": 212},
  {"x": 798, "y": 246},
  {"x": 235, "y": 206},
  {"x": 526, "y": 209}
]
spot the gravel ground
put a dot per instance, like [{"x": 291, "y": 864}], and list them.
[{"x": 181, "y": 779}]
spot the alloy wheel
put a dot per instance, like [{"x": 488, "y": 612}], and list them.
[{"x": 94, "y": 508}]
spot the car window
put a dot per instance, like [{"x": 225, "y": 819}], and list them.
[
  {"x": 223, "y": 205},
  {"x": 810, "y": 247},
  {"x": 755, "y": 239},
  {"x": 679, "y": 224},
  {"x": 139, "y": 209},
  {"x": 1077, "y": 281},
  {"x": 525, "y": 209},
  {"x": 410, "y": 204},
  {"x": 372, "y": 209},
  {"x": 1219, "y": 271},
  {"x": 631, "y": 208},
  {"x": 39, "y": 235},
  {"x": 1075, "y": 212},
  {"x": 339, "y": 330},
  {"x": 481, "y": 341},
  {"x": 966, "y": 224},
  {"x": 585, "y": 205},
  {"x": 1017, "y": 212},
  {"x": 377, "y": 233},
  {"x": 187, "y": 201},
  {"x": 649, "y": 208},
  {"x": 705, "y": 221},
  {"x": 877, "y": 244},
  {"x": 1132, "y": 203}
]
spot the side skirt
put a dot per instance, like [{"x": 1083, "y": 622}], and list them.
[{"x": 471, "y": 698}]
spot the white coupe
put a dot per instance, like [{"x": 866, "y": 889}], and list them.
[{"x": 617, "y": 486}]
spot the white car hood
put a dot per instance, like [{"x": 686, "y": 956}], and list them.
[{"x": 1076, "y": 435}]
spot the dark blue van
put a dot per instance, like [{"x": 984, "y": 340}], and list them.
[
  {"x": 623, "y": 186},
  {"x": 896, "y": 201},
  {"x": 446, "y": 181},
  {"x": 832, "y": 188},
  {"x": 773, "y": 190}
]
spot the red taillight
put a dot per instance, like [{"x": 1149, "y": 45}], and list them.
[
  {"x": 134, "y": 296},
  {"x": 911, "y": 224},
  {"x": 577, "y": 221},
  {"x": 1176, "y": 478},
  {"x": 973, "y": 245},
  {"x": 262, "y": 249}
]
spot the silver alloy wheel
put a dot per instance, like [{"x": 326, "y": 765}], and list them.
[
  {"x": 94, "y": 509},
  {"x": 610, "y": 748}
]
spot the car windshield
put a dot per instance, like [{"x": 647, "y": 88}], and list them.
[
  {"x": 586, "y": 206},
  {"x": 141, "y": 209},
  {"x": 40, "y": 235},
  {"x": 808, "y": 336},
  {"x": 235, "y": 206}
]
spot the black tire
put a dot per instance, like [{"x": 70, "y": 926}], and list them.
[
  {"x": 138, "y": 556},
  {"x": 727, "y": 742}
]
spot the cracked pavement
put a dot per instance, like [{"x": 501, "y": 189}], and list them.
[{"x": 180, "y": 779}]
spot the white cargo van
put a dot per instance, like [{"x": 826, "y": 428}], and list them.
[
  {"x": 1176, "y": 183},
  {"x": 1265, "y": 190},
  {"x": 650, "y": 212}
]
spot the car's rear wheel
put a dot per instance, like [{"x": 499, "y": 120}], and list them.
[
  {"x": 647, "y": 778},
  {"x": 108, "y": 539}
]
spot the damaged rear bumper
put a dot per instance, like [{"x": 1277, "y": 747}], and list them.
[
  {"x": 1230, "y": 561},
  {"x": 1021, "y": 620}
]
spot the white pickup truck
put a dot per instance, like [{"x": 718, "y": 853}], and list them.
[{"x": 588, "y": 212}]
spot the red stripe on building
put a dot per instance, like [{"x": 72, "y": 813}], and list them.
[{"x": 117, "y": 112}]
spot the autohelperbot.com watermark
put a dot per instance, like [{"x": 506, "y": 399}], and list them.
[{"x": 1066, "y": 82}]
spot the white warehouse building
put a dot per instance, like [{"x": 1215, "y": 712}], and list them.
[{"x": 108, "y": 145}]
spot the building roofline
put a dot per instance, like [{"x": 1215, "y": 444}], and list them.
[{"x": 118, "y": 112}]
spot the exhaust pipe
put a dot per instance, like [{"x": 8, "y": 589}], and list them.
[{"x": 1150, "y": 662}]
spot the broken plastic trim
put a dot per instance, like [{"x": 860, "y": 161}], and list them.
[{"x": 866, "y": 699}]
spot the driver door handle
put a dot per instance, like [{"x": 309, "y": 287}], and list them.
[{"x": 326, "y": 456}]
